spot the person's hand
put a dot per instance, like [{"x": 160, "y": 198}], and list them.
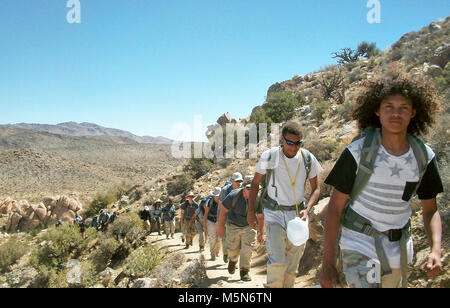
[
  {"x": 205, "y": 229},
  {"x": 261, "y": 238},
  {"x": 303, "y": 214},
  {"x": 328, "y": 276},
  {"x": 433, "y": 265},
  {"x": 251, "y": 219}
]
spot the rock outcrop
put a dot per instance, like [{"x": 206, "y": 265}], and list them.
[{"x": 24, "y": 216}]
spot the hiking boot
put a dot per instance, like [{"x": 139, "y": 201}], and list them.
[
  {"x": 182, "y": 239},
  {"x": 186, "y": 247},
  {"x": 231, "y": 267},
  {"x": 245, "y": 276},
  {"x": 225, "y": 258},
  {"x": 202, "y": 248},
  {"x": 213, "y": 258}
]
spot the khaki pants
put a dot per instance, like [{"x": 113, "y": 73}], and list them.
[
  {"x": 147, "y": 225},
  {"x": 214, "y": 244},
  {"x": 169, "y": 227},
  {"x": 284, "y": 258},
  {"x": 361, "y": 272},
  {"x": 240, "y": 243}
]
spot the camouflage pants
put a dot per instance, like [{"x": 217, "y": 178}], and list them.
[
  {"x": 240, "y": 243},
  {"x": 189, "y": 233},
  {"x": 169, "y": 227},
  {"x": 362, "y": 272},
  {"x": 284, "y": 258},
  {"x": 201, "y": 233}
]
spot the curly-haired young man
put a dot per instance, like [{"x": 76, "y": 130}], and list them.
[{"x": 374, "y": 181}]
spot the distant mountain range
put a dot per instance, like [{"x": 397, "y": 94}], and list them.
[{"x": 74, "y": 129}]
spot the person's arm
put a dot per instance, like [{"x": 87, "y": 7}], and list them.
[
  {"x": 433, "y": 228},
  {"x": 205, "y": 218},
  {"x": 328, "y": 275},
  {"x": 251, "y": 216},
  {"x": 315, "y": 188},
  {"x": 182, "y": 217},
  {"x": 221, "y": 222},
  {"x": 261, "y": 229}
]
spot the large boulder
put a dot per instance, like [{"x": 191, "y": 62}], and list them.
[{"x": 6, "y": 206}]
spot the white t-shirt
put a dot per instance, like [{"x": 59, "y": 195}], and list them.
[{"x": 283, "y": 185}]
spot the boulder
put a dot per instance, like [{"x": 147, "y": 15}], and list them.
[
  {"x": 13, "y": 222},
  {"x": 441, "y": 56},
  {"x": 224, "y": 119},
  {"x": 432, "y": 70},
  {"x": 144, "y": 283},
  {"x": 41, "y": 211}
]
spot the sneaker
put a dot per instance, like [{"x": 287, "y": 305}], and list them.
[
  {"x": 231, "y": 267},
  {"x": 225, "y": 258},
  {"x": 182, "y": 239},
  {"x": 245, "y": 276},
  {"x": 213, "y": 258}
]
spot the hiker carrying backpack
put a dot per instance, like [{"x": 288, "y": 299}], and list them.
[{"x": 375, "y": 179}]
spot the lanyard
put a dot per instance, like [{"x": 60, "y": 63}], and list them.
[{"x": 290, "y": 178}]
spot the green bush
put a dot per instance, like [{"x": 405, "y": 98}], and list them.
[
  {"x": 10, "y": 252},
  {"x": 105, "y": 251},
  {"x": 198, "y": 166},
  {"x": 181, "y": 184},
  {"x": 142, "y": 262},
  {"x": 280, "y": 106},
  {"x": 345, "y": 110},
  {"x": 88, "y": 277},
  {"x": 319, "y": 110},
  {"x": 102, "y": 200},
  {"x": 60, "y": 244},
  {"x": 131, "y": 227},
  {"x": 323, "y": 150}
]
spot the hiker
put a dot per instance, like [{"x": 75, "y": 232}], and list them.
[
  {"x": 78, "y": 220},
  {"x": 210, "y": 220},
  {"x": 285, "y": 170},
  {"x": 168, "y": 215},
  {"x": 113, "y": 217},
  {"x": 103, "y": 219},
  {"x": 94, "y": 223},
  {"x": 234, "y": 183},
  {"x": 374, "y": 182},
  {"x": 197, "y": 222},
  {"x": 146, "y": 216},
  {"x": 187, "y": 213},
  {"x": 156, "y": 215},
  {"x": 241, "y": 238}
]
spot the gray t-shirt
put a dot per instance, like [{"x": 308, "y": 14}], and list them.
[{"x": 238, "y": 215}]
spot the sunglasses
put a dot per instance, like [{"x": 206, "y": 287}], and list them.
[{"x": 292, "y": 143}]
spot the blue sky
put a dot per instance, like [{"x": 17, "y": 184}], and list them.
[{"x": 144, "y": 65}]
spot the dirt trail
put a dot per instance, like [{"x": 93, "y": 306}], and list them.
[{"x": 217, "y": 272}]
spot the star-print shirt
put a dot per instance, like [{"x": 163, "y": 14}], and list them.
[{"x": 385, "y": 200}]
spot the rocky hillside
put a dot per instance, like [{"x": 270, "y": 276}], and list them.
[
  {"x": 88, "y": 129},
  {"x": 321, "y": 101},
  {"x": 36, "y": 164}
]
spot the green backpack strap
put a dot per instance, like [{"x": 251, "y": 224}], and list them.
[
  {"x": 236, "y": 198},
  {"x": 307, "y": 159},
  {"x": 369, "y": 152},
  {"x": 421, "y": 155}
]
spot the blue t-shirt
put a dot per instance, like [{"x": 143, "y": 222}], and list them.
[{"x": 238, "y": 215}]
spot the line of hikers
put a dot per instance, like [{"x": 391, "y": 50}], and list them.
[{"x": 369, "y": 213}]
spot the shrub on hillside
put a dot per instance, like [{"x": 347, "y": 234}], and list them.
[
  {"x": 319, "y": 110},
  {"x": 198, "y": 166},
  {"x": 87, "y": 278},
  {"x": 102, "y": 200},
  {"x": 61, "y": 243},
  {"x": 323, "y": 149},
  {"x": 180, "y": 185},
  {"x": 345, "y": 110},
  {"x": 105, "y": 251},
  {"x": 10, "y": 252},
  {"x": 280, "y": 106},
  {"x": 141, "y": 262}
]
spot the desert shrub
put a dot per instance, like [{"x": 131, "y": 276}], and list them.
[
  {"x": 10, "y": 252},
  {"x": 198, "y": 166},
  {"x": 323, "y": 149},
  {"x": 132, "y": 230},
  {"x": 102, "y": 200},
  {"x": 319, "y": 110},
  {"x": 280, "y": 106},
  {"x": 345, "y": 110},
  {"x": 105, "y": 251},
  {"x": 141, "y": 262},
  {"x": 181, "y": 184},
  {"x": 60, "y": 244},
  {"x": 88, "y": 277}
]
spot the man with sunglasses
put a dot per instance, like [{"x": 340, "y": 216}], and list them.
[{"x": 287, "y": 169}]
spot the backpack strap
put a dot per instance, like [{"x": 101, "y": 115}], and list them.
[
  {"x": 236, "y": 198},
  {"x": 421, "y": 155},
  {"x": 307, "y": 159}
]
